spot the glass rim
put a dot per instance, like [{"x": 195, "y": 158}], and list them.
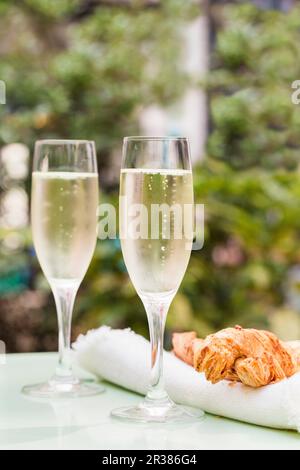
[
  {"x": 154, "y": 138},
  {"x": 63, "y": 141}
]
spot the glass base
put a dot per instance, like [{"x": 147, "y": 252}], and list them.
[
  {"x": 146, "y": 413},
  {"x": 63, "y": 389}
]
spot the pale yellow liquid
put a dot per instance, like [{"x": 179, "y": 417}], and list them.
[
  {"x": 157, "y": 266},
  {"x": 64, "y": 223}
]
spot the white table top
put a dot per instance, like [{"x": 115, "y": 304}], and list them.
[{"x": 85, "y": 423}]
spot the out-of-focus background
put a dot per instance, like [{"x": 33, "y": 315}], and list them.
[{"x": 219, "y": 72}]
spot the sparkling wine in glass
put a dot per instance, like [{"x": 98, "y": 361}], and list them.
[
  {"x": 156, "y": 230},
  {"x": 64, "y": 226}
]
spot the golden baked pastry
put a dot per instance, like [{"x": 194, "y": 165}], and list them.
[{"x": 253, "y": 357}]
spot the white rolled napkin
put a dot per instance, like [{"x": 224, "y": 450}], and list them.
[{"x": 122, "y": 357}]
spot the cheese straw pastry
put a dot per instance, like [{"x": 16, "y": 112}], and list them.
[{"x": 253, "y": 357}]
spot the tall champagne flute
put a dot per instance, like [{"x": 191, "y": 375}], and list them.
[
  {"x": 156, "y": 230},
  {"x": 64, "y": 225}
]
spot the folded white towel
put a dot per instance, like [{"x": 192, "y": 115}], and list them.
[{"x": 122, "y": 357}]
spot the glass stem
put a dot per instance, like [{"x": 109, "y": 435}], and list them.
[
  {"x": 156, "y": 314},
  {"x": 64, "y": 300}
]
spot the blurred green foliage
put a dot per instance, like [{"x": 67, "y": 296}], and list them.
[
  {"x": 249, "y": 183},
  {"x": 70, "y": 75},
  {"x": 80, "y": 69},
  {"x": 255, "y": 61}
]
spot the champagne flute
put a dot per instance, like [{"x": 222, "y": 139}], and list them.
[
  {"x": 64, "y": 225},
  {"x": 156, "y": 245}
]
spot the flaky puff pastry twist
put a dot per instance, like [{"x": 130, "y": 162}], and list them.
[{"x": 253, "y": 357}]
